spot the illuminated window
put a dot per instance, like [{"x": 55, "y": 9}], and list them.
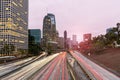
[{"x": 6, "y": 8}]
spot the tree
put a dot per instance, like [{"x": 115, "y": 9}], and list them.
[
  {"x": 8, "y": 49},
  {"x": 111, "y": 36},
  {"x": 93, "y": 46}
]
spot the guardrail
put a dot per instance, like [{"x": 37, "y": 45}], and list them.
[
  {"x": 88, "y": 72},
  {"x": 7, "y": 57},
  {"x": 73, "y": 74},
  {"x": 19, "y": 67}
]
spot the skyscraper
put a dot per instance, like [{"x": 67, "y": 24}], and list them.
[
  {"x": 14, "y": 23},
  {"x": 50, "y": 34},
  {"x": 61, "y": 42},
  {"x": 65, "y": 39},
  {"x": 74, "y": 38},
  {"x": 36, "y": 33},
  {"x": 74, "y": 42}
]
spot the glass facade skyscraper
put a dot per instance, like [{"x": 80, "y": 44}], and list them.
[
  {"x": 36, "y": 33},
  {"x": 14, "y": 23},
  {"x": 50, "y": 34},
  {"x": 49, "y": 29}
]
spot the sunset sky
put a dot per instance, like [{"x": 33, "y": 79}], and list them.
[{"x": 76, "y": 16}]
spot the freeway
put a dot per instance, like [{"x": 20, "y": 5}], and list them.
[
  {"x": 92, "y": 68},
  {"x": 27, "y": 71},
  {"x": 77, "y": 71},
  {"x": 59, "y": 66},
  {"x": 55, "y": 70},
  {"x": 6, "y": 68}
]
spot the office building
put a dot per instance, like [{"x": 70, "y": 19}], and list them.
[
  {"x": 50, "y": 34},
  {"x": 36, "y": 34},
  {"x": 14, "y": 23},
  {"x": 108, "y": 30},
  {"x": 74, "y": 38},
  {"x": 65, "y": 39},
  {"x": 61, "y": 42},
  {"x": 87, "y": 37},
  {"x": 69, "y": 43},
  {"x": 74, "y": 42}
]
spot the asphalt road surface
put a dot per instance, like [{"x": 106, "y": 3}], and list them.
[
  {"x": 59, "y": 66},
  {"x": 99, "y": 72}
]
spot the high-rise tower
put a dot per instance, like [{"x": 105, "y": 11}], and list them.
[
  {"x": 74, "y": 38},
  {"x": 49, "y": 29},
  {"x": 14, "y": 23},
  {"x": 65, "y": 39}
]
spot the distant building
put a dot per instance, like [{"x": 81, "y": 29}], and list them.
[
  {"x": 108, "y": 30},
  {"x": 61, "y": 42},
  {"x": 36, "y": 33},
  {"x": 74, "y": 38},
  {"x": 65, "y": 39},
  {"x": 87, "y": 37},
  {"x": 74, "y": 42},
  {"x": 14, "y": 24},
  {"x": 69, "y": 43},
  {"x": 50, "y": 34}
]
